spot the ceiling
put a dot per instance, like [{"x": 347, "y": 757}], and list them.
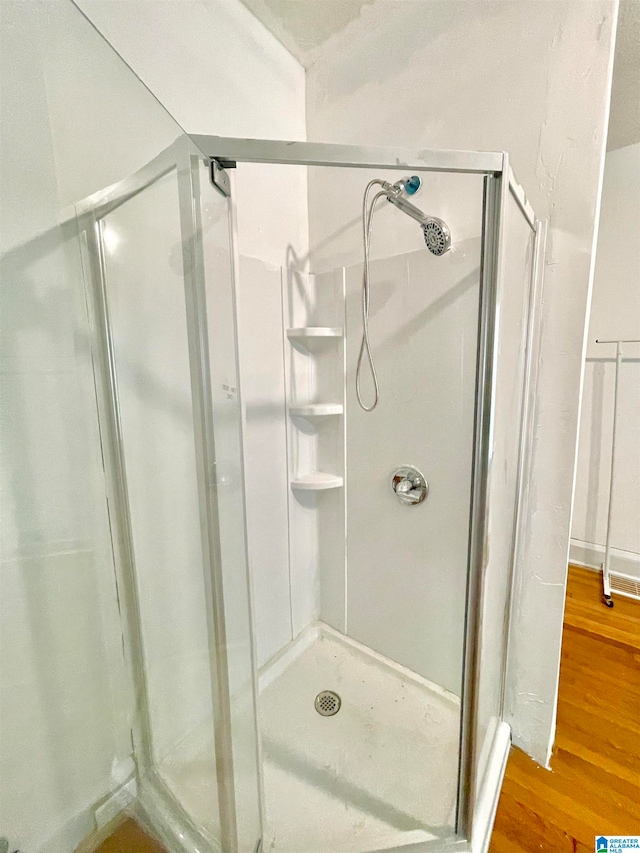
[{"x": 303, "y": 26}]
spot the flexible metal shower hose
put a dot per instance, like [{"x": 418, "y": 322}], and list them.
[{"x": 365, "y": 346}]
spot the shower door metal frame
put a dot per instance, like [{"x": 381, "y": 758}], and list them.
[
  {"x": 157, "y": 801},
  {"x": 498, "y": 188},
  {"x": 499, "y": 183}
]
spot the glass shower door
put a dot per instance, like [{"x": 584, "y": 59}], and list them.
[{"x": 179, "y": 507}]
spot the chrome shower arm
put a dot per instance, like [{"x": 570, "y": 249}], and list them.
[{"x": 406, "y": 207}]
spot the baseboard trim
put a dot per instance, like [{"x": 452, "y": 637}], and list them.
[{"x": 590, "y": 555}]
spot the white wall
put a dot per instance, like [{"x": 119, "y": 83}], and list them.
[
  {"x": 615, "y": 313},
  {"x": 73, "y": 119},
  {"x": 219, "y": 71},
  {"x": 461, "y": 75}
]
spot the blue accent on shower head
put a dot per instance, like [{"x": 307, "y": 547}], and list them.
[{"x": 412, "y": 185}]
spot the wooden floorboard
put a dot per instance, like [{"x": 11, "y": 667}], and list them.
[
  {"x": 585, "y": 612},
  {"x": 129, "y": 837},
  {"x": 594, "y": 783}
]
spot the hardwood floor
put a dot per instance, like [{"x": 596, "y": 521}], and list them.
[
  {"x": 594, "y": 785},
  {"x": 586, "y": 614},
  {"x": 130, "y": 838}
]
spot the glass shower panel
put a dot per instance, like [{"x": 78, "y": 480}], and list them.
[
  {"x": 74, "y": 119},
  {"x": 510, "y": 354},
  {"x": 146, "y": 300}
]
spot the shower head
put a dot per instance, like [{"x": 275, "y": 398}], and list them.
[{"x": 436, "y": 233}]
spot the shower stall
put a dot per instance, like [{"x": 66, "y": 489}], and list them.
[{"x": 315, "y": 598}]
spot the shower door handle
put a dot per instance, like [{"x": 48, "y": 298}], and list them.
[
  {"x": 403, "y": 486},
  {"x": 409, "y": 485}
]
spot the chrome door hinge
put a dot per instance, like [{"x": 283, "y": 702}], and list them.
[{"x": 218, "y": 174}]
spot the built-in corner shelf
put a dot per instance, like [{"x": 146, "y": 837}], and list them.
[
  {"x": 316, "y": 481},
  {"x": 316, "y": 410},
  {"x": 315, "y": 332}
]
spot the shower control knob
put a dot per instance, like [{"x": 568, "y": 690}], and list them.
[{"x": 409, "y": 485}]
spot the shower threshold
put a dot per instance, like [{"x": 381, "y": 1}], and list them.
[{"x": 379, "y": 774}]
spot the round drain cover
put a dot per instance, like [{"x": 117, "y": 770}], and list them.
[{"x": 327, "y": 703}]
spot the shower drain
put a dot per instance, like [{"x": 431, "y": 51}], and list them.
[{"x": 327, "y": 703}]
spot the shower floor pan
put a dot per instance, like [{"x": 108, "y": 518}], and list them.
[{"x": 380, "y": 773}]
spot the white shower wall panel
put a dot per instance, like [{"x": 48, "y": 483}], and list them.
[
  {"x": 407, "y": 565},
  {"x": 260, "y": 345},
  {"x": 295, "y": 539},
  {"x": 330, "y": 450},
  {"x": 391, "y": 576},
  {"x": 299, "y": 367},
  {"x": 314, "y": 371}
]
